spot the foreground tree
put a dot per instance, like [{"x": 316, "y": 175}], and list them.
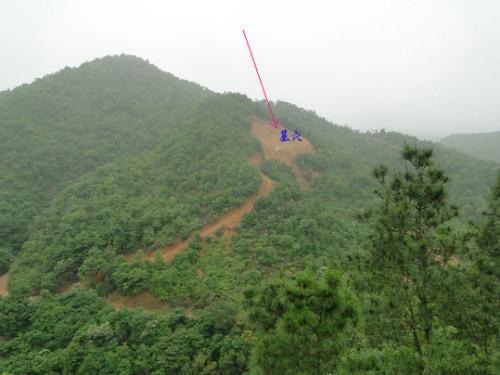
[
  {"x": 480, "y": 289},
  {"x": 489, "y": 268},
  {"x": 411, "y": 247},
  {"x": 301, "y": 323}
]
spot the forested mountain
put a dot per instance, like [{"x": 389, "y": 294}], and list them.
[
  {"x": 67, "y": 124},
  {"x": 107, "y": 168},
  {"x": 484, "y": 146}
]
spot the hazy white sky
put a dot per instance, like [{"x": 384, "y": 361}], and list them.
[{"x": 426, "y": 67}]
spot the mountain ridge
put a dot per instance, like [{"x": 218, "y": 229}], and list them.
[{"x": 484, "y": 146}]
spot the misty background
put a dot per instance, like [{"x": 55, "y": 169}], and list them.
[{"x": 427, "y": 68}]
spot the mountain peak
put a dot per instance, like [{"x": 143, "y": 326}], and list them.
[{"x": 123, "y": 61}]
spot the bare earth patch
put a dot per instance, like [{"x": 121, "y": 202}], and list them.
[
  {"x": 144, "y": 300},
  {"x": 286, "y": 152},
  {"x": 229, "y": 221},
  {"x": 273, "y": 148},
  {"x": 4, "y": 282}
]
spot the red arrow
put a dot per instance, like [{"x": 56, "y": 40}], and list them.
[{"x": 274, "y": 122}]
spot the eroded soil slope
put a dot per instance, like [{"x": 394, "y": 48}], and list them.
[{"x": 286, "y": 152}]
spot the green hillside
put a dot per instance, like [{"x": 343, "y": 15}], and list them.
[
  {"x": 67, "y": 124},
  {"x": 484, "y": 146},
  {"x": 102, "y": 164}
]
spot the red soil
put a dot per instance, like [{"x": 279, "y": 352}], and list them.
[
  {"x": 286, "y": 152},
  {"x": 273, "y": 148},
  {"x": 4, "y": 282},
  {"x": 228, "y": 221},
  {"x": 145, "y": 301}
]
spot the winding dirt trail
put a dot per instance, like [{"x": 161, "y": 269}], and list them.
[
  {"x": 273, "y": 149},
  {"x": 270, "y": 140},
  {"x": 229, "y": 221}
]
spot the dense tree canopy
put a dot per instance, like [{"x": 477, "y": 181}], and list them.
[
  {"x": 305, "y": 322},
  {"x": 116, "y": 157}
]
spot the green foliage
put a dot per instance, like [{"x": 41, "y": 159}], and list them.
[
  {"x": 116, "y": 157},
  {"x": 411, "y": 261},
  {"x": 490, "y": 233},
  {"x": 87, "y": 337},
  {"x": 482, "y": 146},
  {"x": 67, "y": 124},
  {"x": 130, "y": 278},
  {"x": 143, "y": 202},
  {"x": 6, "y": 257},
  {"x": 389, "y": 359},
  {"x": 479, "y": 312},
  {"x": 345, "y": 157},
  {"x": 97, "y": 269},
  {"x": 302, "y": 323}
]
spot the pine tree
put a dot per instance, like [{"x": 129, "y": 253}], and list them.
[
  {"x": 412, "y": 244},
  {"x": 301, "y": 322},
  {"x": 481, "y": 288}
]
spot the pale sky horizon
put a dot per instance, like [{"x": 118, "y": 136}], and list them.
[{"x": 426, "y": 68}]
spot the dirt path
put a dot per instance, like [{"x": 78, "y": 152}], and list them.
[
  {"x": 229, "y": 221},
  {"x": 4, "y": 282},
  {"x": 273, "y": 148},
  {"x": 286, "y": 152}
]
